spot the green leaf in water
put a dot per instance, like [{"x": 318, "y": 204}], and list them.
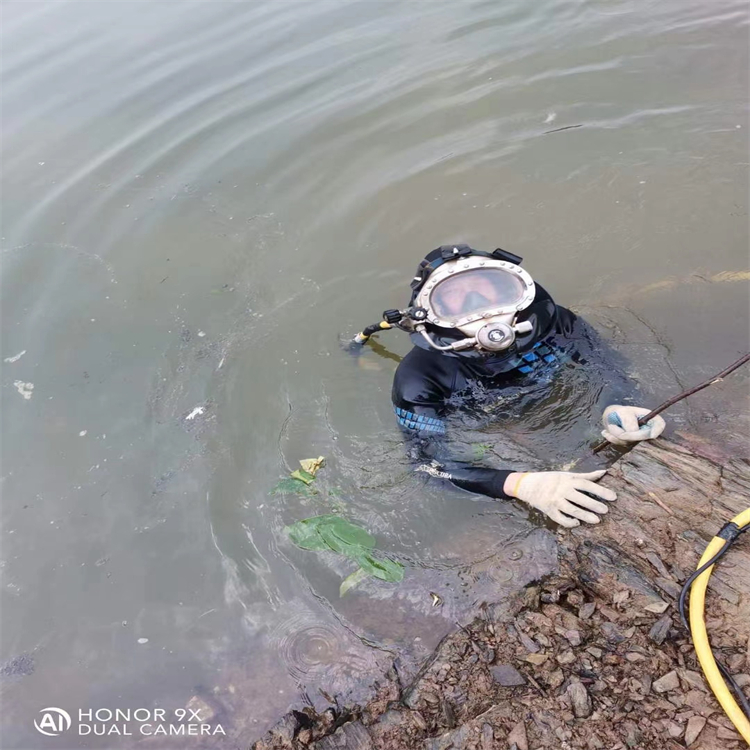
[
  {"x": 289, "y": 486},
  {"x": 385, "y": 569},
  {"x": 306, "y": 535},
  {"x": 481, "y": 449},
  {"x": 345, "y": 535},
  {"x": 330, "y": 532},
  {"x": 352, "y": 580},
  {"x": 302, "y": 476}
]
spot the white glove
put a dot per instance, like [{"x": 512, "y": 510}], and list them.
[
  {"x": 559, "y": 495},
  {"x": 621, "y": 425}
]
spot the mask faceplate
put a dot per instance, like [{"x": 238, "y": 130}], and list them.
[{"x": 473, "y": 290}]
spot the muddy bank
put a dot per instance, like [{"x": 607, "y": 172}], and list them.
[{"x": 593, "y": 656}]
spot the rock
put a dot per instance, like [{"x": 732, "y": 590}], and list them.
[
  {"x": 518, "y": 737},
  {"x": 449, "y": 715},
  {"x": 633, "y": 657},
  {"x": 620, "y": 597},
  {"x": 658, "y": 564},
  {"x": 539, "y": 621},
  {"x": 612, "y": 633},
  {"x": 528, "y": 644},
  {"x": 580, "y": 700},
  {"x": 204, "y": 711},
  {"x": 488, "y": 737},
  {"x": 283, "y": 732},
  {"x": 670, "y": 588},
  {"x": 587, "y": 610},
  {"x": 694, "y": 728},
  {"x": 700, "y": 702},
  {"x": 536, "y": 659},
  {"x": 634, "y": 734},
  {"x": 419, "y": 720},
  {"x": 660, "y": 629},
  {"x": 674, "y": 729},
  {"x": 693, "y": 679},
  {"x": 531, "y": 597},
  {"x": 556, "y": 678},
  {"x": 669, "y": 681},
  {"x": 726, "y": 734},
  {"x": 507, "y": 676}
]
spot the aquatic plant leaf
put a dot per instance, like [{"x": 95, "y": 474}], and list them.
[
  {"x": 480, "y": 450},
  {"x": 345, "y": 538},
  {"x": 335, "y": 533},
  {"x": 305, "y": 535},
  {"x": 312, "y": 465},
  {"x": 352, "y": 580},
  {"x": 351, "y": 534},
  {"x": 290, "y": 486},
  {"x": 331, "y": 532},
  {"x": 302, "y": 476},
  {"x": 385, "y": 569}
]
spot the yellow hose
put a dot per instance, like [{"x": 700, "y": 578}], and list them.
[{"x": 700, "y": 636}]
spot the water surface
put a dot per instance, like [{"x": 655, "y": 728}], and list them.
[{"x": 200, "y": 199}]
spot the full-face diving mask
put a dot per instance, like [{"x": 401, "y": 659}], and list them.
[
  {"x": 480, "y": 297},
  {"x": 461, "y": 289}
]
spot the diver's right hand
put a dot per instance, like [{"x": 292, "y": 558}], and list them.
[{"x": 559, "y": 494}]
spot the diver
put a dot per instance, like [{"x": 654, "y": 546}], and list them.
[{"x": 479, "y": 319}]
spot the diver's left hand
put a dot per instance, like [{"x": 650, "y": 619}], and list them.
[{"x": 621, "y": 425}]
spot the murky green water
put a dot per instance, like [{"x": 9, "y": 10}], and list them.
[{"x": 199, "y": 199}]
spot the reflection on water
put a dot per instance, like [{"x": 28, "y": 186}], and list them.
[{"x": 199, "y": 200}]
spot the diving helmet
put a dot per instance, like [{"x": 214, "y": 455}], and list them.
[{"x": 475, "y": 293}]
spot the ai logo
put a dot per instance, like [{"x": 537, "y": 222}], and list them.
[{"x": 54, "y": 721}]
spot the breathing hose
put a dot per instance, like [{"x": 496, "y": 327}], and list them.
[
  {"x": 364, "y": 335},
  {"x": 697, "y": 586}
]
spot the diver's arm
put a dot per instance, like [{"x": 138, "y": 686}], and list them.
[
  {"x": 422, "y": 383},
  {"x": 432, "y": 455}
]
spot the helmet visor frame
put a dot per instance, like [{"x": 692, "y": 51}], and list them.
[{"x": 466, "y": 290}]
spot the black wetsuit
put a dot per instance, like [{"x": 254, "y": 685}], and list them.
[{"x": 427, "y": 380}]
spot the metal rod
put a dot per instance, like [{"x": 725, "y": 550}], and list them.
[{"x": 670, "y": 402}]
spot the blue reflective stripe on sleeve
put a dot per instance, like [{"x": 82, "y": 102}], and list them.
[{"x": 418, "y": 421}]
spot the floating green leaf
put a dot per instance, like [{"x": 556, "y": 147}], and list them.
[
  {"x": 305, "y": 534},
  {"x": 330, "y": 532},
  {"x": 352, "y": 580},
  {"x": 481, "y": 449},
  {"x": 302, "y": 476},
  {"x": 344, "y": 534},
  {"x": 289, "y": 486},
  {"x": 385, "y": 569},
  {"x": 299, "y": 481}
]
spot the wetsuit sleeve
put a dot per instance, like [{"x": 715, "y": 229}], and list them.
[{"x": 423, "y": 383}]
